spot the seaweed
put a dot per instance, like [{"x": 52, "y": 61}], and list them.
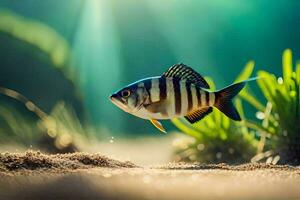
[{"x": 279, "y": 124}]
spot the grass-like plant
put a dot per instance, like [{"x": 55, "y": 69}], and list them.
[
  {"x": 15, "y": 127},
  {"x": 277, "y": 127},
  {"x": 58, "y": 131},
  {"x": 216, "y": 138},
  {"x": 280, "y": 118}
]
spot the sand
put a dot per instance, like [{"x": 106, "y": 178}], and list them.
[
  {"x": 33, "y": 175},
  {"x": 35, "y": 160}
]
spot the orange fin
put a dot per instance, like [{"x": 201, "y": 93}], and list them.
[
  {"x": 158, "y": 125},
  {"x": 199, "y": 114}
]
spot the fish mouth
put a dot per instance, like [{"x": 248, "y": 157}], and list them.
[
  {"x": 115, "y": 99},
  {"x": 119, "y": 102}
]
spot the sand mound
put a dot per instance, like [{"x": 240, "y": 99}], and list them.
[
  {"x": 224, "y": 166},
  {"x": 37, "y": 161},
  {"x": 32, "y": 160}
]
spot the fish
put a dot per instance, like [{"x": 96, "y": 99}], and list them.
[{"x": 178, "y": 92}]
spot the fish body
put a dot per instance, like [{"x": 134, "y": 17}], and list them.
[
  {"x": 179, "y": 92},
  {"x": 167, "y": 97}
]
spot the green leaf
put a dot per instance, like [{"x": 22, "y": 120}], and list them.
[
  {"x": 186, "y": 129},
  {"x": 210, "y": 83},
  {"x": 39, "y": 35},
  {"x": 246, "y": 73},
  {"x": 245, "y": 95},
  {"x": 266, "y": 82},
  {"x": 298, "y": 72},
  {"x": 287, "y": 64}
]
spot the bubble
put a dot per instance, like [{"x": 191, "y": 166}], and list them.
[
  {"x": 111, "y": 140},
  {"x": 260, "y": 115},
  {"x": 200, "y": 147},
  {"x": 280, "y": 80},
  {"x": 219, "y": 155}
]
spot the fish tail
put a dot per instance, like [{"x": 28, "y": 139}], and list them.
[{"x": 224, "y": 99}]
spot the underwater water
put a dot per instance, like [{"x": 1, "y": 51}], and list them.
[
  {"x": 113, "y": 43},
  {"x": 60, "y": 61},
  {"x": 63, "y": 69}
]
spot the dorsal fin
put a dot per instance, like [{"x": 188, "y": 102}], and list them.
[
  {"x": 199, "y": 114},
  {"x": 181, "y": 71}
]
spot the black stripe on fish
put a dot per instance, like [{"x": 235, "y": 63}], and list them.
[
  {"x": 189, "y": 96},
  {"x": 207, "y": 98},
  {"x": 177, "y": 93},
  {"x": 136, "y": 100},
  {"x": 198, "y": 96},
  {"x": 162, "y": 89},
  {"x": 147, "y": 85}
]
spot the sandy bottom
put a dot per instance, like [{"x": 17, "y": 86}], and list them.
[{"x": 91, "y": 176}]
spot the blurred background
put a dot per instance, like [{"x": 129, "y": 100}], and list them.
[{"x": 60, "y": 60}]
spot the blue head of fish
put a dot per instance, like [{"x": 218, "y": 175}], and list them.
[{"x": 130, "y": 98}]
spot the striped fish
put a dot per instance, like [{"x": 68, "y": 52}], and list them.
[{"x": 179, "y": 92}]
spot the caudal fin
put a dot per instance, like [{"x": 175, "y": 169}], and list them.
[{"x": 224, "y": 99}]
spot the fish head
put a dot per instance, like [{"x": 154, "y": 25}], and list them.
[{"x": 130, "y": 98}]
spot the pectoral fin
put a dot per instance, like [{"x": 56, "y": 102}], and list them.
[
  {"x": 158, "y": 125},
  {"x": 156, "y": 107}
]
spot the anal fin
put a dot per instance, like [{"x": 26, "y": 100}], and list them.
[
  {"x": 199, "y": 114},
  {"x": 158, "y": 125}
]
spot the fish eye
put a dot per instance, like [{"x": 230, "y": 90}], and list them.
[{"x": 125, "y": 93}]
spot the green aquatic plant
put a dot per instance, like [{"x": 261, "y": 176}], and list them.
[
  {"x": 14, "y": 127},
  {"x": 25, "y": 124},
  {"x": 216, "y": 138},
  {"x": 38, "y": 35},
  {"x": 30, "y": 47},
  {"x": 279, "y": 127},
  {"x": 65, "y": 129}
]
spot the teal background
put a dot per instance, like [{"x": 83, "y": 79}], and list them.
[{"x": 115, "y": 42}]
